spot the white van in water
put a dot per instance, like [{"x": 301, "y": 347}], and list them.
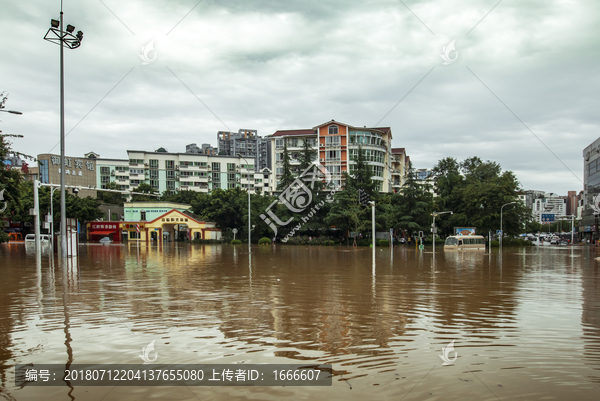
[
  {"x": 31, "y": 238},
  {"x": 464, "y": 242}
]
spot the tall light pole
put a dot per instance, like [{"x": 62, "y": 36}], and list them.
[
  {"x": 502, "y": 231},
  {"x": 248, "y": 189},
  {"x": 57, "y": 34},
  {"x": 434, "y": 231}
]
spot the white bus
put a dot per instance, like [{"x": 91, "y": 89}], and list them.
[{"x": 463, "y": 242}]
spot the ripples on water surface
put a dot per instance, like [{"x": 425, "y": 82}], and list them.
[{"x": 526, "y": 324}]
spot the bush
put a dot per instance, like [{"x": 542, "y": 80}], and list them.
[
  {"x": 235, "y": 242},
  {"x": 3, "y": 237},
  {"x": 264, "y": 240},
  {"x": 383, "y": 242},
  {"x": 329, "y": 243},
  {"x": 495, "y": 244}
]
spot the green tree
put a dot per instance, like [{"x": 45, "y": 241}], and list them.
[
  {"x": 185, "y": 196},
  {"x": 361, "y": 177},
  {"x": 287, "y": 177},
  {"x": 145, "y": 188},
  {"x": 307, "y": 155},
  {"x": 112, "y": 198},
  {"x": 412, "y": 206},
  {"x": 10, "y": 179}
]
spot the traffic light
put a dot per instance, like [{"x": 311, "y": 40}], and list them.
[{"x": 363, "y": 197}]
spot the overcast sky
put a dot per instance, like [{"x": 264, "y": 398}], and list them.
[{"x": 524, "y": 84}]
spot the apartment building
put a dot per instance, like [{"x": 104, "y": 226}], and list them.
[
  {"x": 247, "y": 143},
  {"x": 400, "y": 166},
  {"x": 336, "y": 145}
]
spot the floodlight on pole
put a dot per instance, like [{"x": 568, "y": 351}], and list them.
[{"x": 56, "y": 34}]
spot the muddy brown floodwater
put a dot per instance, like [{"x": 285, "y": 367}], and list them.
[{"x": 525, "y": 324}]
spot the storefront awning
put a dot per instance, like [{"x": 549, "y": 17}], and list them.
[{"x": 102, "y": 232}]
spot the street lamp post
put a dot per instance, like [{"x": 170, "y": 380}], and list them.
[
  {"x": 248, "y": 189},
  {"x": 501, "y": 230},
  {"x": 434, "y": 231},
  {"x": 57, "y": 34}
]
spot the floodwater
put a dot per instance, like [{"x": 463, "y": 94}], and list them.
[{"x": 525, "y": 324}]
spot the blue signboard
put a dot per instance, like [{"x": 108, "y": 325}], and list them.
[{"x": 547, "y": 218}]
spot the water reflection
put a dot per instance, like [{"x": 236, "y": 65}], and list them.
[{"x": 511, "y": 314}]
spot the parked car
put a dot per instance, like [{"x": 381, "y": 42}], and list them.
[{"x": 31, "y": 238}]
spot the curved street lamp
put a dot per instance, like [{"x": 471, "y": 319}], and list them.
[
  {"x": 57, "y": 34},
  {"x": 502, "y": 231}
]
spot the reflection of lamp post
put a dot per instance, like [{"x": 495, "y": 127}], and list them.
[
  {"x": 248, "y": 189},
  {"x": 56, "y": 34},
  {"x": 501, "y": 230},
  {"x": 435, "y": 214}
]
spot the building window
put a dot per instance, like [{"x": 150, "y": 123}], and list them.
[
  {"x": 216, "y": 177},
  {"x": 170, "y": 184},
  {"x": 278, "y": 143},
  {"x": 216, "y": 167},
  {"x": 105, "y": 179},
  {"x": 154, "y": 184},
  {"x": 169, "y": 164},
  {"x": 105, "y": 170},
  {"x": 230, "y": 167},
  {"x": 333, "y": 130},
  {"x": 294, "y": 142},
  {"x": 332, "y": 141},
  {"x": 142, "y": 215},
  {"x": 170, "y": 175},
  {"x": 154, "y": 174},
  {"x": 134, "y": 235},
  {"x": 231, "y": 176},
  {"x": 231, "y": 185},
  {"x": 153, "y": 163},
  {"x": 332, "y": 155},
  {"x": 124, "y": 187}
]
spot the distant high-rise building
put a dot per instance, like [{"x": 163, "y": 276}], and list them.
[
  {"x": 206, "y": 149},
  {"x": 247, "y": 143}
]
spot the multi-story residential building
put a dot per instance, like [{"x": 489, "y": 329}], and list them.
[
  {"x": 166, "y": 171},
  {"x": 549, "y": 204},
  {"x": 336, "y": 145},
  {"x": 247, "y": 143},
  {"x": 571, "y": 203},
  {"x": 588, "y": 225},
  {"x": 400, "y": 167}
]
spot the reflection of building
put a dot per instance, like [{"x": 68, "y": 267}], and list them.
[
  {"x": 337, "y": 146},
  {"x": 591, "y": 189},
  {"x": 79, "y": 172}
]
